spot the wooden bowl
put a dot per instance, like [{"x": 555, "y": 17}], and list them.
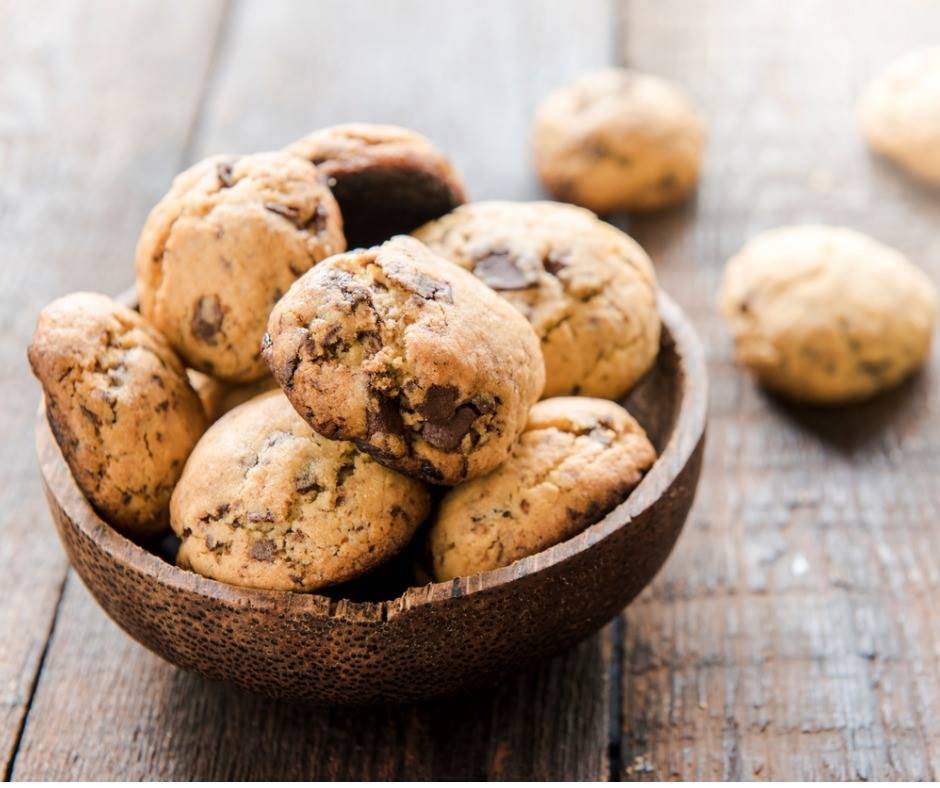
[{"x": 428, "y": 641}]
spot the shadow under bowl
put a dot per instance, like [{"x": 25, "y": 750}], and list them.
[{"x": 428, "y": 641}]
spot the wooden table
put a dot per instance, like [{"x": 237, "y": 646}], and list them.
[{"x": 793, "y": 633}]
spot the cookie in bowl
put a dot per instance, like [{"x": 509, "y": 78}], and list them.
[
  {"x": 216, "y": 253},
  {"x": 577, "y": 459},
  {"x": 266, "y": 502},
  {"x": 617, "y": 140},
  {"x": 827, "y": 314},
  {"x": 409, "y": 356},
  {"x": 588, "y": 289},
  {"x": 120, "y": 406},
  {"x": 386, "y": 179}
]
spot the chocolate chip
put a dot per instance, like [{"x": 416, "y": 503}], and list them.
[
  {"x": 385, "y": 417},
  {"x": 267, "y": 516},
  {"x": 500, "y": 271},
  {"x": 439, "y": 403},
  {"x": 224, "y": 172},
  {"x": 307, "y": 482},
  {"x": 447, "y": 435},
  {"x": 207, "y": 318},
  {"x": 421, "y": 284},
  {"x": 317, "y": 223},
  {"x": 289, "y": 212},
  {"x": 263, "y": 550},
  {"x": 553, "y": 265}
]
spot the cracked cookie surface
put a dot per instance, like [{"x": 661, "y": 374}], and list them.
[
  {"x": 409, "y": 356},
  {"x": 618, "y": 140},
  {"x": 827, "y": 314},
  {"x": 386, "y": 179},
  {"x": 900, "y": 113},
  {"x": 588, "y": 290},
  {"x": 228, "y": 239},
  {"x": 119, "y": 404},
  {"x": 577, "y": 459},
  {"x": 266, "y": 502}
]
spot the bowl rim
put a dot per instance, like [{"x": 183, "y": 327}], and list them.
[{"x": 687, "y": 431}]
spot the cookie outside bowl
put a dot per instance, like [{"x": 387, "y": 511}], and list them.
[{"x": 429, "y": 641}]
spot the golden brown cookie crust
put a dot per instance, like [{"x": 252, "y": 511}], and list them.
[
  {"x": 386, "y": 179},
  {"x": 266, "y": 502},
  {"x": 228, "y": 239},
  {"x": 588, "y": 290},
  {"x": 119, "y": 404},
  {"x": 617, "y": 140},
  {"x": 827, "y": 314},
  {"x": 409, "y": 356},
  {"x": 577, "y": 459}
]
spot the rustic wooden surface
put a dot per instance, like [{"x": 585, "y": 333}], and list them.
[{"x": 792, "y": 633}]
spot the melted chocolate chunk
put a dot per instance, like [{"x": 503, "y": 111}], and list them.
[
  {"x": 439, "y": 403},
  {"x": 446, "y": 435},
  {"x": 263, "y": 550},
  {"x": 207, "y": 318},
  {"x": 387, "y": 418},
  {"x": 500, "y": 271}
]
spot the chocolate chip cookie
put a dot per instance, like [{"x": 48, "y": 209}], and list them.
[
  {"x": 119, "y": 405},
  {"x": 387, "y": 179},
  {"x": 827, "y": 314},
  {"x": 222, "y": 246},
  {"x": 898, "y": 113},
  {"x": 219, "y": 398},
  {"x": 617, "y": 140},
  {"x": 409, "y": 356},
  {"x": 577, "y": 459},
  {"x": 588, "y": 289},
  {"x": 266, "y": 502}
]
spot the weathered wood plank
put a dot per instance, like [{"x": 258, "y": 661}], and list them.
[
  {"x": 95, "y": 101},
  {"x": 793, "y": 633},
  {"x": 120, "y": 711},
  {"x": 467, "y": 76}
]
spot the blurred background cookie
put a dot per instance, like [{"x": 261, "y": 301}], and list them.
[
  {"x": 900, "y": 113},
  {"x": 617, "y": 140},
  {"x": 408, "y": 355},
  {"x": 222, "y": 246},
  {"x": 268, "y": 503},
  {"x": 577, "y": 459},
  {"x": 588, "y": 289},
  {"x": 119, "y": 404},
  {"x": 386, "y": 179},
  {"x": 827, "y": 314}
]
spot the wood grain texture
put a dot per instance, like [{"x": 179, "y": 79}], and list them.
[
  {"x": 84, "y": 151},
  {"x": 468, "y": 77},
  {"x": 793, "y": 635}
]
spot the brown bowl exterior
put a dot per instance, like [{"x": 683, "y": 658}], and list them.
[{"x": 429, "y": 641}]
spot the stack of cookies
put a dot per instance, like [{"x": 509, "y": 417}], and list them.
[{"x": 298, "y": 413}]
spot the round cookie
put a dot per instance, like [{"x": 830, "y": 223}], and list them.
[
  {"x": 222, "y": 246},
  {"x": 409, "y": 356},
  {"x": 617, "y": 140},
  {"x": 386, "y": 179},
  {"x": 119, "y": 405},
  {"x": 826, "y": 314},
  {"x": 900, "y": 113},
  {"x": 588, "y": 289},
  {"x": 577, "y": 459},
  {"x": 265, "y": 502}
]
